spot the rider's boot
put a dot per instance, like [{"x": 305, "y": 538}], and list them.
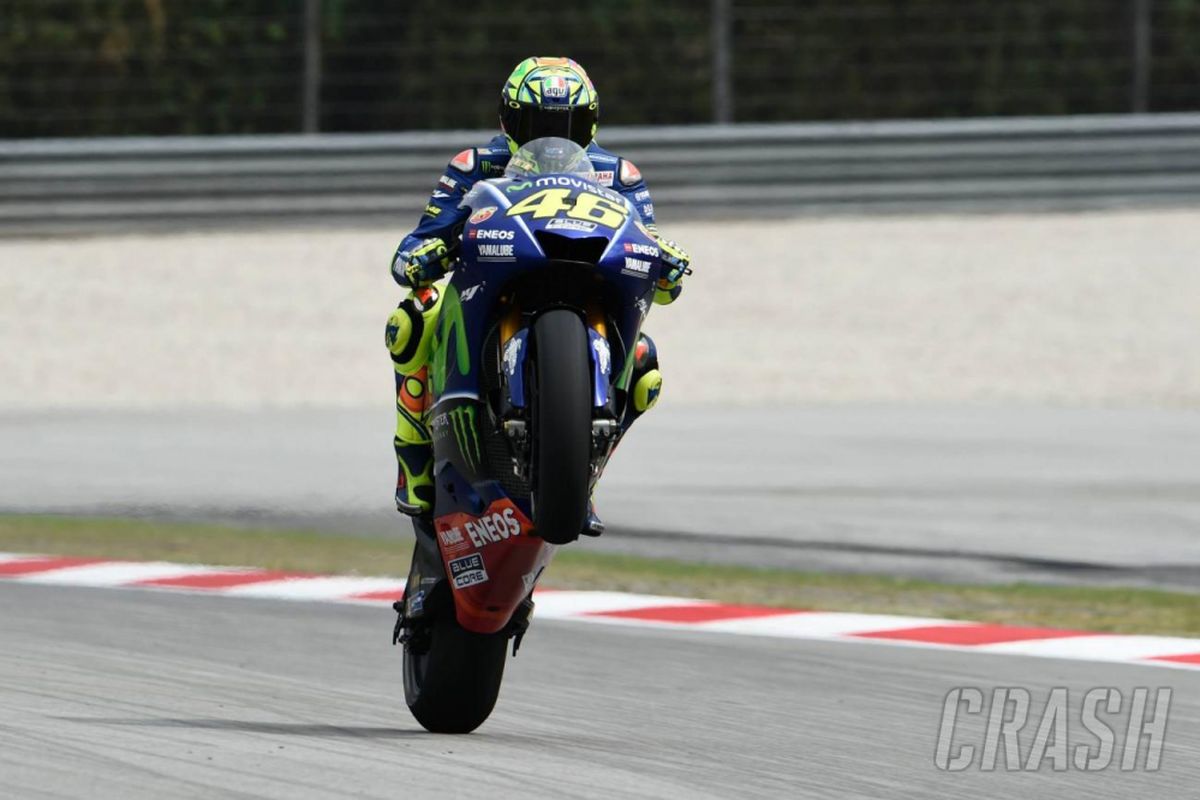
[{"x": 592, "y": 525}]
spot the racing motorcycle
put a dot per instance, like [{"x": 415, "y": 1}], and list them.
[{"x": 529, "y": 385}]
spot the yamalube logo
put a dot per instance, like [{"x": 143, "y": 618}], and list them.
[
  {"x": 496, "y": 251},
  {"x": 636, "y": 266}
]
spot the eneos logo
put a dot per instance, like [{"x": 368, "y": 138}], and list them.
[
  {"x": 490, "y": 233},
  {"x": 494, "y": 527}
]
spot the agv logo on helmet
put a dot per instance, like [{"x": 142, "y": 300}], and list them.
[{"x": 549, "y": 97}]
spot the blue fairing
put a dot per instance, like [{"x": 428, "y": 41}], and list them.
[
  {"x": 543, "y": 243},
  {"x": 500, "y": 244},
  {"x": 445, "y": 217}
]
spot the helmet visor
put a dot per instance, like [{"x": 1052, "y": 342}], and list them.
[{"x": 524, "y": 122}]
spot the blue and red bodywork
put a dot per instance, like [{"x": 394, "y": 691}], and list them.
[{"x": 477, "y": 376}]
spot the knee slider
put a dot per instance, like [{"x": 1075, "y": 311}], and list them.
[
  {"x": 647, "y": 390},
  {"x": 410, "y": 330}
]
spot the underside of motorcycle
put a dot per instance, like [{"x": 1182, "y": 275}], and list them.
[{"x": 528, "y": 409}]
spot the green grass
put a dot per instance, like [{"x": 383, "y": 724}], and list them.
[
  {"x": 197, "y": 543},
  {"x": 1098, "y": 609}
]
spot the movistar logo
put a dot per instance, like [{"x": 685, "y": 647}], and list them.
[
  {"x": 451, "y": 334},
  {"x": 516, "y": 187},
  {"x": 462, "y": 419}
]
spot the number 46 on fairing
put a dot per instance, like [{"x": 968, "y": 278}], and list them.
[{"x": 586, "y": 206}]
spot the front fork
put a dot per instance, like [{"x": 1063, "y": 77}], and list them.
[{"x": 514, "y": 349}]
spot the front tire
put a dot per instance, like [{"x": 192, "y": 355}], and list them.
[
  {"x": 562, "y": 426},
  {"x": 452, "y": 686}
]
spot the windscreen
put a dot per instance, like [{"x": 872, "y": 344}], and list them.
[{"x": 549, "y": 155}]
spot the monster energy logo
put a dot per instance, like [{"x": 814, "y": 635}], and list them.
[{"x": 463, "y": 421}]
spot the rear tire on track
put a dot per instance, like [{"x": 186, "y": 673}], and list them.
[
  {"x": 562, "y": 426},
  {"x": 452, "y": 688}
]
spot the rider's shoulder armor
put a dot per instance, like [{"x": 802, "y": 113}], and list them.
[
  {"x": 465, "y": 161},
  {"x": 628, "y": 173},
  {"x": 475, "y": 164},
  {"x": 478, "y": 163}
]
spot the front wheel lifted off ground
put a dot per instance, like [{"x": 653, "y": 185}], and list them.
[{"x": 562, "y": 425}]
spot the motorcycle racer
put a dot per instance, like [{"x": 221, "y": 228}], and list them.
[{"x": 542, "y": 97}]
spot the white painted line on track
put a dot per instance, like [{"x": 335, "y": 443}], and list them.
[{"x": 622, "y": 608}]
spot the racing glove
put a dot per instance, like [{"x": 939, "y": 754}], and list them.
[
  {"x": 676, "y": 263},
  {"x": 422, "y": 265}
]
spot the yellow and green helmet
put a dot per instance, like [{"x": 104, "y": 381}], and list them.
[{"x": 549, "y": 97}]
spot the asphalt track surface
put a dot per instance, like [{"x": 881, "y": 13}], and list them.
[
  {"x": 112, "y": 693},
  {"x": 974, "y": 494}
]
